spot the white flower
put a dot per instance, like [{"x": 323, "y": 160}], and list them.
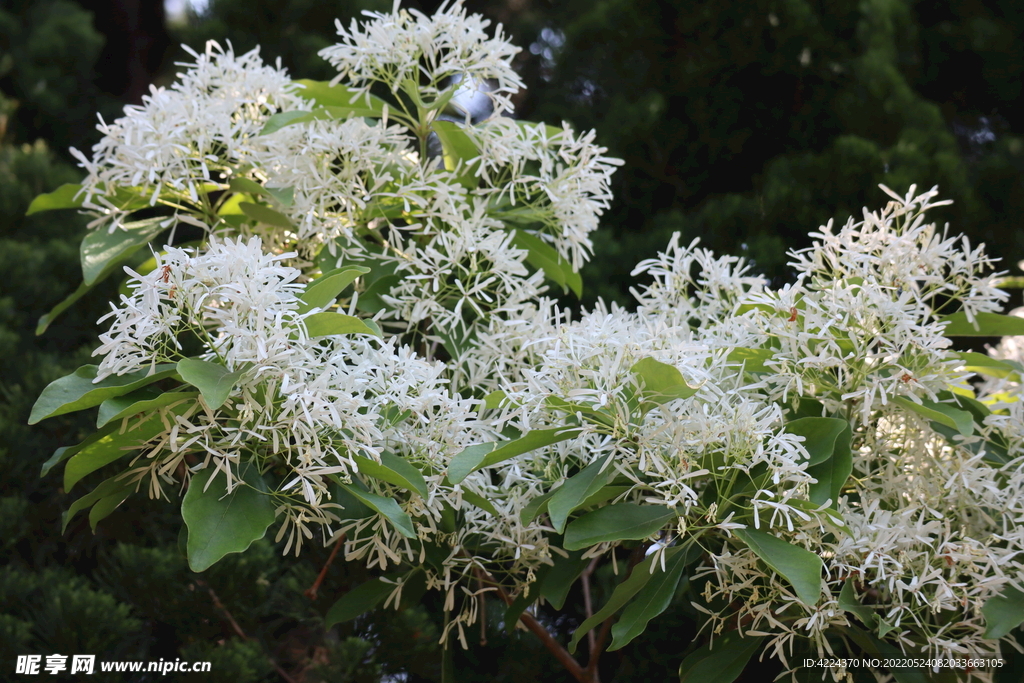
[{"x": 408, "y": 47}]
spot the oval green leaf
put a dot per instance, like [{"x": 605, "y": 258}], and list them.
[
  {"x": 985, "y": 325},
  {"x": 387, "y": 507},
  {"x": 483, "y": 455},
  {"x": 820, "y": 434},
  {"x": 943, "y": 413},
  {"x": 263, "y": 214},
  {"x": 213, "y": 380},
  {"x": 78, "y": 391},
  {"x": 661, "y": 382},
  {"x": 329, "y": 323},
  {"x": 575, "y": 490},
  {"x": 102, "y": 248},
  {"x": 1003, "y": 612},
  {"x": 619, "y": 522},
  {"x": 801, "y": 568},
  {"x": 359, "y": 600},
  {"x": 64, "y": 197},
  {"x": 654, "y": 598},
  {"x": 722, "y": 664},
  {"x": 219, "y": 522},
  {"x": 326, "y": 288},
  {"x": 394, "y": 470},
  {"x": 139, "y": 401},
  {"x": 636, "y": 580}
]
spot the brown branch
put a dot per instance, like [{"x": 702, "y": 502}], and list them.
[
  {"x": 238, "y": 629},
  {"x": 311, "y": 591},
  {"x": 598, "y": 643},
  {"x": 588, "y": 603},
  {"x": 553, "y": 646}
]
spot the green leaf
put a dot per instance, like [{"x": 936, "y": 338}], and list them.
[
  {"x": 139, "y": 401},
  {"x": 65, "y": 304},
  {"x": 619, "y": 522},
  {"x": 542, "y": 255},
  {"x": 461, "y": 155},
  {"x": 983, "y": 364},
  {"x": 78, "y": 391},
  {"x": 328, "y": 323},
  {"x": 723, "y": 664},
  {"x": 654, "y": 598},
  {"x": 596, "y": 416},
  {"x": 111, "y": 267},
  {"x": 326, "y": 288},
  {"x": 285, "y": 196},
  {"x": 820, "y": 434},
  {"x": 493, "y": 400},
  {"x": 106, "y": 505},
  {"x": 562, "y": 576},
  {"x": 834, "y": 471},
  {"x": 943, "y": 413},
  {"x": 370, "y": 300},
  {"x": 479, "y": 501},
  {"x": 113, "y": 446},
  {"x": 326, "y": 95},
  {"x": 636, "y": 580},
  {"x": 339, "y": 112},
  {"x": 387, "y": 507},
  {"x": 352, "y": 507},
  {"x": 536, "y": 506},
  {"x": 359, "y": 600},
  {"x": 213, "y": 380},
  {"x": 1003, "y": 612},
  {"x": 241, "y": 184},
  {"x": 869, "y": 643},
  {"x": 61, "y": 198},
  {"x": 849, "y": 602},
  {"x": 284, "y": 119},
  {"x": 65, "y": 452},
  {"x": 987, "y": 325},
  {"x": 393, "y": 470},
  {"x": 800, "y": 567},
  {"x": 264, "y": 214},
  {"x": 282, "y": 195},
  {"x": 604, "y": 494},
  {"x": 101, "y": 248},
  {"x": 111, "y": 487},
  {"x": 753, "y": 359},
  {"x": 661, "y": 382},
  {"x": 530, "y": 595},
  {"x": 220, "y": 523},
  {"x": 483, "y": 455},
  {"x": 576, "y": 489}
]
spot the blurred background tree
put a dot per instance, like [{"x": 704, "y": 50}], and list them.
[{"x": 745, "y": 124}]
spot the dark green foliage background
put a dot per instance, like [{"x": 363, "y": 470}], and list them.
[{"x": 745, "y": 124}]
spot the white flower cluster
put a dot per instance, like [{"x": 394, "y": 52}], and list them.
[
  {"x": 683, "y": 407},
  {"x": 179, "y": 137},
  {"x": 433, "y": 53}
]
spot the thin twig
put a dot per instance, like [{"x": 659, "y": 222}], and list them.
[
  {"x": 311, "y": 591},
  {"x": 598, "y": 644},
  {"x": 588, "y": 604},
  {"x": 553, "y": 646},
  {"x": 238, "y": 629}
]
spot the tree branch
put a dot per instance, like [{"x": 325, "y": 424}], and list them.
[
  {"x": 238, "y": 629},
  {"x": 311, "y": 591},
  {"x": 588, "y": 603},
  {"x": 598, "y": 643},
  {"x": 553, "y": 646}
]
